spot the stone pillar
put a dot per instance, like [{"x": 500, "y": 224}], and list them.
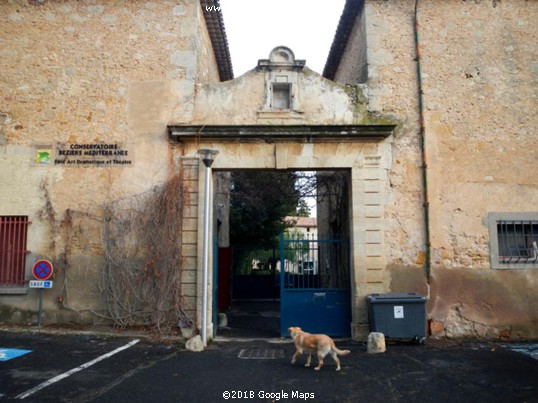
[
  {"x": 189, "y": 243},
  {"x": 368, "y": 185}
]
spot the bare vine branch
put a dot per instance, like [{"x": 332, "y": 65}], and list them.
[{"x": 141, "y": 279}]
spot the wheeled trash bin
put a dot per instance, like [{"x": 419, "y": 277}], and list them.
[{"x": 398, "y": 315}]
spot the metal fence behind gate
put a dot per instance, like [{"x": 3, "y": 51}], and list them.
[{"x": 310, "y": 262}]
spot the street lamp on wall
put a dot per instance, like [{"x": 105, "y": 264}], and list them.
[{"x": 208, "y": 156}]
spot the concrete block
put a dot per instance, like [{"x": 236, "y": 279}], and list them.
[
  {"x": 195, "y": 344},
  {"x": 223, "y": 320},
  {"x": 376, "y": 343}
]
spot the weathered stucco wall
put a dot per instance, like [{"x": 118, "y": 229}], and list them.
[
  {"x": 481, "y": 109},
  {"x": 479, "y": 76},
  {"x": 78, "y": 72},
  {"x": 241, "y": 101},
  {"x": 392, "y": 90}
]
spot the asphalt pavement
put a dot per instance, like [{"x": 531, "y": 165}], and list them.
[{"x": 68, "y": 367}]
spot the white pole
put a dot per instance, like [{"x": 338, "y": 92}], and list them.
[
  {"x": 207, "y": 157},
  {"x": 205, "y": 255}
]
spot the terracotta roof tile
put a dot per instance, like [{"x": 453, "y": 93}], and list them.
[
  {"x": 352, "y": 9},
  {"x": 302, "y": 221},
  {"x": 217, "y": 33}
]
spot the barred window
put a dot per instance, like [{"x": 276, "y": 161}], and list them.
[
  {"x": 13, "y": 230},
  {"x": 514, "y": 240}
]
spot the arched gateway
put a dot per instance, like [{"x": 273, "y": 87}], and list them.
[{"x": 283, "y": 116}]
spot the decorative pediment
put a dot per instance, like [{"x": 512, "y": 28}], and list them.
[
  {"x": 281, "y": 58},
  {"x": 282, "y": 98},
  {"x": 281, "y": 91}
]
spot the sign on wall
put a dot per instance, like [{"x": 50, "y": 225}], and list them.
[
  {"x": 91, "y": 154},
  {"x": 43, "y": 154},
  {"x": 97, "y": 154}
]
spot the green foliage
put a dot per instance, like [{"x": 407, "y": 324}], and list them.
[
  {"x": 303, "y": 209},
  {"x": 244, "y": 260},
  {"x": 259, "y": 201}
]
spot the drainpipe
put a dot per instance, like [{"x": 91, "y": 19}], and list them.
[{"x": 426, "y": 205}]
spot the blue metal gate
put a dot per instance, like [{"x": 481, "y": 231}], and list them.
[{"x": 315, "y": 285}]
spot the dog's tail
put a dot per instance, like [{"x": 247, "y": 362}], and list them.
[{"x": 340, "y": 352}]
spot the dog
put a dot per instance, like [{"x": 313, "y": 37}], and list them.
[{"x": 308, "y": 343}]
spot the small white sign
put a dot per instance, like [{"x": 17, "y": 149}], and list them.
[
  {"x": 40, "y": 284},
  {"x": 398, "y": 312}
]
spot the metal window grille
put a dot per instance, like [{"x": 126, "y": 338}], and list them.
[
  {"x": 13, "y": 231},
  {"x": 518, "y": 241}
]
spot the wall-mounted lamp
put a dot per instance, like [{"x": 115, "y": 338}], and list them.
[{"x": 208, "y": 156}]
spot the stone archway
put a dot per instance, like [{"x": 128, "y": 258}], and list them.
[
  {"x": 284, "y": 116},
  {"x": 357, "y": 148}
]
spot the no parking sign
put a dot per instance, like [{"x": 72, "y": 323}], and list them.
[{"x": 42, "y": 270}]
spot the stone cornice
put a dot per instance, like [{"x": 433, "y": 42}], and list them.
[{"x": 271, "y": 133}]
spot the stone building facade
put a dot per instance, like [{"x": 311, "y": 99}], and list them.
[
  {"x": 86, "y": 92},
  {"x": 434, "y": 122},
  {"x": 460, "y": 79},
  {"x": 324, "y": 126}
]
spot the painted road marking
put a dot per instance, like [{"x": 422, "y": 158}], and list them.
[
  {"x": 75, "y": 370},
  {"x": 9, "y": 353}
]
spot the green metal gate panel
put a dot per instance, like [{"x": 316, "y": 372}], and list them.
[{"x": 315, "y": 285}]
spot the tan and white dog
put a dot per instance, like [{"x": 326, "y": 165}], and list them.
[{"x": 320, "y": 343}]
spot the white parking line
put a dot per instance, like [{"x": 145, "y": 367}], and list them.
[{"x": 74, "y": 370}]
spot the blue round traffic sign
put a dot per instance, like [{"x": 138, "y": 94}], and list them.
[{"x": 42, "y": 270}]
